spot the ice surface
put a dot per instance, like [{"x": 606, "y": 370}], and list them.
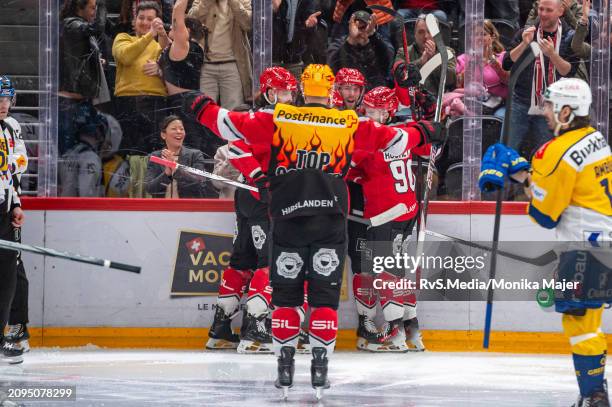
[{"x": 108, "y": 377}]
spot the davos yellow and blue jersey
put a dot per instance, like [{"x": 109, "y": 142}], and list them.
[{"x": 572, "y": 186}]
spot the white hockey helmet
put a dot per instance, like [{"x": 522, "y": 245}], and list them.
[{"x": 571, "y": 92}]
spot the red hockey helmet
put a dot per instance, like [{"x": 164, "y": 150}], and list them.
[
  {"x": 277, "y": 77},
  {"x": 349, "y": 76},
  {"x": 381, "y": 98}
]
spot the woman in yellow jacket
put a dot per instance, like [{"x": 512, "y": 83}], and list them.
[{"x": 139, "y": 90}]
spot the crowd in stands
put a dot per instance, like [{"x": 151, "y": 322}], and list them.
[{"x": 124, "y": 66}]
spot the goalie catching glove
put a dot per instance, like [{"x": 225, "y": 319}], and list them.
[{"x": 498, "y": 163}]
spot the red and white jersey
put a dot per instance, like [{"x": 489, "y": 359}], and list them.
[{"x": 388, "y": 179}]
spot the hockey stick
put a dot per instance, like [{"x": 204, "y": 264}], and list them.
[
  {"x": 539, "y": 261},
  {"x": 202, "y": 173},
  {"x": 436, "y": 150},
  {"x": 382, "y": 218},
  {"x": 7, "y": 244},
  {"x": 431, "y": 65},
  {"x": 519, "y": 66}
]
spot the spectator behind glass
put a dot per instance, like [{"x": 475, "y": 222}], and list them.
[
  {"x": 128, "y": 11},
  {"x": 181, "y": 66},
  {"x": 494, "y": 77},
  {"x": 423, "y": 49},
  {"x": 80, "y": 168},
  {"x": 82, "y": 80},
  {"x": 572, "y": 12},
  {"x": 163, "y": 182},
  {"x": 363, "y": 49},
  {"x": 139, "y": 90},
  {"x": 226, "y": 74},
  {"x": 505, "y": 10},
  {"x": 528, "y": 128},
  {"x": 346, "y": 8},
  {"x": 294, "y": 21},
  {"x": 410, "y": 9},
  {"x": 580, "y": 47}
]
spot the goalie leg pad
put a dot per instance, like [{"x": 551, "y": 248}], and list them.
[
  {"x": 260, "y": 292},
  {"x": 365, "y": 296},
  {"x": 391, "y": 300},
  {"x": 233, "y": 285}
]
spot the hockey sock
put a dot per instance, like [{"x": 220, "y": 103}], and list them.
[
  {"x": 589, "y": 348},
  {"x": 233, "y": 284},
  {"x": 323, "y": 328},
  {"x": 285, "y": 328},
  {"x": 363, "y": 291},
  {"x": 590, "y": 373},
  {"x": 260, "y": 292},
  {"x": 391, "y": 300}
]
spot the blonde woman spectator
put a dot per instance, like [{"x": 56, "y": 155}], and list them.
[
  {"x": 139, "y": 89},
  {"x": 226, "y": 74},
  {"x": 495, "y": 78}
]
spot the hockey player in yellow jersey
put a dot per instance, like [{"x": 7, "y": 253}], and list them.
[{"x": 570, "y": 190}]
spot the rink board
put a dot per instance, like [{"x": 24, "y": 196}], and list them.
[{"x": 73, "y": 303}]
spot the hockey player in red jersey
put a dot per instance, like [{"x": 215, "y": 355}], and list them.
[
  {"x": 349, "y": 87},
  {"x": 249, "y": 260},
  {"x": 387, "y": 180},
  {"x": 310, "y": 153}
]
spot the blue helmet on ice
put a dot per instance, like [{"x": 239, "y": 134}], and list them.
[{"x": 6, "y": 88}]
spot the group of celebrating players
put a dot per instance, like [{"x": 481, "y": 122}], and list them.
[{"x": 308, "y": 163}]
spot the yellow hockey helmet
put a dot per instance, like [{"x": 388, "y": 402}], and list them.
[{"x": 317, "y": 80}]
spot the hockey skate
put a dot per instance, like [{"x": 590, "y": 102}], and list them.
[
  {"x": 18, "y": 333},
  {"x": 220, "y": 335},
  {"x": 12, "y": 353},
  {"x": 413, "y": 335},
  {"x": 286, "y": 369},
  {"x": 597, "y": 399},
  {"x": 318, "y": 371},
  {"x": 367, "y": 334},
  {"x": 257, "y": 337},
  {"x": 303, "y": 345}
]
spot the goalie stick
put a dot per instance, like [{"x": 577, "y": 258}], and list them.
[
  {"x": 430, "y": 66},
  {"x": 202, "y": 173},
  {"x": 382, "y": 218},
  {"x": 519, "y": 66},
  {"x": 436, "y": 150},
  {"x": 6, "y": 244}
]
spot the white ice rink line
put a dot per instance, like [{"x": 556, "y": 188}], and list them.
[{"x": 133, "y": 378}]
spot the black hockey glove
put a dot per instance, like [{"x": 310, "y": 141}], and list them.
[
  {"x": 406, "y": 76},
  {"x": 432, "y": 132},
  {"x": 194, "y": 103}
]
